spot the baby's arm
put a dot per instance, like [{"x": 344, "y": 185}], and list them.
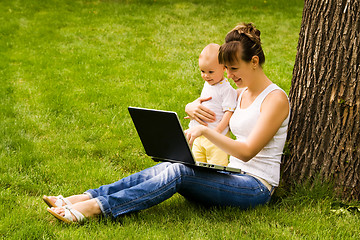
[{"x": 224, "y": 122}]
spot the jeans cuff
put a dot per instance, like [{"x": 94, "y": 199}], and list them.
[
  {"x": 103, "y": 204},
  {"x": 90, "y": 195}
]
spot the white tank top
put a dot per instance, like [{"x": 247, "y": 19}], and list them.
[{"x": 266, "y": 164}]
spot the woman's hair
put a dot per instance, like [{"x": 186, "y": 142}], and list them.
[{"x": 241, "y": 42}]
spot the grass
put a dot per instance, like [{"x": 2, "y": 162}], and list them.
[{"x": 68, "y": 71}]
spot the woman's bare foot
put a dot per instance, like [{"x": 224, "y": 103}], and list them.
[
  {"x": 51, "y": 200},
  {"x": 88, "y": 208}
]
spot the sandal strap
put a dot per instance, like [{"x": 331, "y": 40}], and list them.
[
  {"x": 78, "y": 215},
  {"x": 60, "y": 200}
]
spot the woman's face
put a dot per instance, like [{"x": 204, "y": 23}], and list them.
[{"x": 240, "y": 72}]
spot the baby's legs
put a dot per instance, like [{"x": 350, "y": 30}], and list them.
[
  {"x": 199, "y": 152},
  {"x": 215, "y": 155},
  {"x": 205, "y": 151}
]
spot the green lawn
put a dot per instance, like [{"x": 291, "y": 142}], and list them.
[{"x": 68, "y": 71}]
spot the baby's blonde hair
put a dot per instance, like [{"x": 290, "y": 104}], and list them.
[{"x": 210, "y": 52}]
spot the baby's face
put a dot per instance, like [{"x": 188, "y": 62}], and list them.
[{"x": 211, "y": 71}]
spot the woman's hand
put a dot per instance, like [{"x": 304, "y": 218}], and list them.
[
  {"x": 194, "y": 132},
  {"x": 200, "y": 113}
]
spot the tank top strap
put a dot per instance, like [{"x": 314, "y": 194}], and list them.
[
  {"x": 240, "y": 96},
  {"x": 242, "y": 92},
  {"x": 259, "y": 99}
]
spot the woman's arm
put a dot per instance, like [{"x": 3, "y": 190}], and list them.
[
  {"x": 200, "y": 113},
  {"x": 274, "y": 111}
]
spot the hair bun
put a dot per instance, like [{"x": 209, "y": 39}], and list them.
[{"x": 249, "y": 30}]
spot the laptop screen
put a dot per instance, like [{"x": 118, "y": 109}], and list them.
[{"x": 161, "y": 135}]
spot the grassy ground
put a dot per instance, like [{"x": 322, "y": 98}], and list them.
[{"x": 69, "y": 69}]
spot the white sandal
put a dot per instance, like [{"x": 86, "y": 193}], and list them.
[
  {"x": 68, "y": 218},
  {"x": 60, "y": 200}
]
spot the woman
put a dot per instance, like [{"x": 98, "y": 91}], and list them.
[{"x": 259, "y": 123}]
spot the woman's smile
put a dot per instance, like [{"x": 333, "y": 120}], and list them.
[{"x": 237, "y": 80}]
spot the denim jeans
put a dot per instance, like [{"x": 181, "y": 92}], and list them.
[{"x": 156, "y": 184}]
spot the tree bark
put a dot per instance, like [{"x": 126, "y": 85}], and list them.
[{"x": 324, "y": 129}]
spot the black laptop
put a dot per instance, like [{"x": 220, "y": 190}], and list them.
[{"x": 163, "y": 138}]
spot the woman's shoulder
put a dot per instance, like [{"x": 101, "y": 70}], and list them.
[
  {"x": 276, "y": 100},
  {"x": 277, "y": 95}
]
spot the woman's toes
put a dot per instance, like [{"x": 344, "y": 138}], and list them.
[
  {"x": 52, "y": 199},
  {"x": 59, "y": 210},
  {"x": 58, "y": 199}
]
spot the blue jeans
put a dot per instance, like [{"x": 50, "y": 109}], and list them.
[{"x": 156, "y": 184}]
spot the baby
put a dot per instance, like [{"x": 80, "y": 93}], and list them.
[{"x": 223, "y": 103}]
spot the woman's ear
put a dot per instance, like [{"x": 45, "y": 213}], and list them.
[{"x": 255, "y": 62}]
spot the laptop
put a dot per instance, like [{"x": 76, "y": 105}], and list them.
[{"x": 163, "y": 138}]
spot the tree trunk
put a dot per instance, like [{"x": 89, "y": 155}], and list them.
[{"x": 324, "y": 130}]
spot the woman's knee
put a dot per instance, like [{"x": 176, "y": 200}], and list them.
[{"x": 180, "y": 169}]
